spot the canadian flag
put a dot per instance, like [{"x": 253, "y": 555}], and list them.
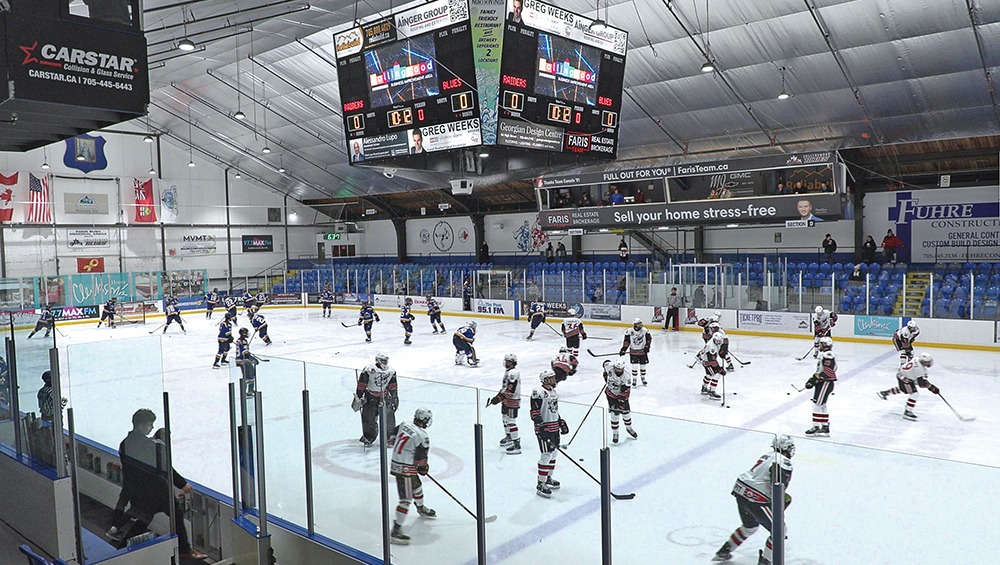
[{"x": 7, "y": 185}]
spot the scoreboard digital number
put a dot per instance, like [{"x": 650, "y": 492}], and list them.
[
  {"x": 562, "y": 78},
  {"x": 408, "y": 83}
]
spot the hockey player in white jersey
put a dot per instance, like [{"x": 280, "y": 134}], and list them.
[
  {"x": 376, "y": 385},
  {"x": 903, "y": 339},
  {"x": 909, "y": 377},
  {"x": 753, "y": 498},
  {"x": 564, "y": 365},
  {"x": 548, "y": 426},
  {"x": 510, "y": 398},
  {"x": 409, "y": 462},
  {"x": 822, "y": 380},
  {"x": 572, "y": 329},
  {"x": 617, "y": 390},
  {"x": 715, "y": 328},
  {"x": 823, "y": 322},
  {"x": 709, "y": 357},
  {"x": 637, "y": 342}
]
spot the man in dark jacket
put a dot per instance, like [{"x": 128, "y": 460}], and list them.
[
  {"x": 868, "y": 249},
  {"x": 829, "y": 248}
]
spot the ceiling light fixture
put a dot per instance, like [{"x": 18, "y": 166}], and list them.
[
  {"x": 484, "y": 153},
  {"x": 598, "y": 25},
  {"x": 281, "y": 165},
  {"x": 239, "y": 115},
  {"x": 709, "y": 66},
  {"x": 190, "y": 142},
  {"x": 45, "y": 159},
  {"x": 152, "y": 169},
  {"x": 148, "y": 138},
  {"x": 263, "y": 101},
  {"x": 185, "y": 44},
  {"x": 238, "y": 175},
  {"x": 784, "y": 93}
]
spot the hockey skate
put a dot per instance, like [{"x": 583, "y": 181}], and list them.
[
  {"x": 225, "y": 361},
  {"x": 426, "y": 512},
  {"x": 216, "y": 366},
  {"x": 407, "y": 342},
  {"x": 552, "y": 483},
  {"x": 908, "y": 415},
  {"x": 614, "y": 438},
  {"x": 818, "y": 431},
  {"x": 473, "y": 362},
  {"x": 633, "y": 382},
  {"x": 458, "y": 359},
  {"x": 506, "y": 441},
  {"x": 760, "y": 558},
  {"x": 729, "y": 366},
  {"x": 514, "y": 447},
  {"x": 883, "y": 394},
  {"x": 398, "y": 537},
  {"x": 704, "y": 390},
  {"x": 723, "y": 554},
  {"x": 435, "y": 331},
  {"x": 368, "y": 340},
  {"x": 644, "y": 383},
  {"x": 528, "y": 338},
  {"x": 543, "y": 491},
  {"x": 632, "y": 433},
  {"x": 713, "y": 395}
]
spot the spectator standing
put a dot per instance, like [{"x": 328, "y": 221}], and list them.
[
  {"x": 484, "y": 252},
  {"x": 561, "y": 251},
  {"x": 617, "y": 198},
  {"x": 586, "y": 201},
  {"x": 780, "y": 189},
  {"x": 699, "y": 297},
  {"x": 550, "y": 253},
  {"x": 623, "y": 250},
  {"x": 890, "y": 246},
  {"x": 599, "y": 294},
  {"x": 622, "y": 297},
  {"x": 640, "y": 197},
  {"x": 868, "y": 250},
  {"x": 829, "y": 248},
  {"x": 673, "y": 309}
]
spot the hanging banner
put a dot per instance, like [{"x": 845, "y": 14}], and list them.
[
  {"x": 168, "y": 205},
  {"x": 145, "y": 205},
  {"x": 90, "y": 264},
  {"x": 487, "y": 43},
  {"x": 88, "y": 238},
  {"x": 258, "y": 243}
]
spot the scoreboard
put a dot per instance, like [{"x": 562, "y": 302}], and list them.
[
  {"x": 408, "y": 83},
  {"x": 560, "y": 81}
]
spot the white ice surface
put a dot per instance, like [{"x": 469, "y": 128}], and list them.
[{"x": 880, "y": 490}]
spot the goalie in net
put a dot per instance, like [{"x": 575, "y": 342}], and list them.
[{"x": 131, "y": 313}]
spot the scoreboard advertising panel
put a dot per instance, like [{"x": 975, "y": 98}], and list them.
[
  {"x": 560, "y": 81},
  {"x": 408, "y": 83}
]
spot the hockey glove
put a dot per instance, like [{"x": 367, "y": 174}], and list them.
[
  {"x": 621, "y": 352},
  {"x": 922, "y": 382},
  {"x": 392, "y": 403},
  {"x": 563, "y": 426},
  {"x": 356, "y": 403},
  {"x": 423, "y": 468},
  {"x": 493, "y": 400},
  {"x": 359, "y": 322},
  {"x": 788, "y": 499},
  {"x": 934, "y": 389},
  {"x": 229, "y": 339},
  {"x": 812, "y": 381}
]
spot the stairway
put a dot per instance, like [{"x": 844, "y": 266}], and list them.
[{"x": 916, "y": 288}]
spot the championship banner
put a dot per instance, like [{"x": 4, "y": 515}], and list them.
[{"x": 145, "y": 205}]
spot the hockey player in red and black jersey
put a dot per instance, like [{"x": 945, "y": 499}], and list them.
[
  {"x": 903, "y": 339},
  {"x": 823, "y": 322},
  {"x": 822, "y": 380},
  {"x": 510, "y": 399},
  {"x": 637, "y": 342},
  {"x": 376, "y": 385},
  {"x": 617, "y": 390},
  {"x": 409, "y": 462},
  {"x": 572, "y": 329},
  {"x": 909, "y": 377},
  {"x": 564, "y": 364},
  {"x": 709, "y": 357},
  {"x": 724, "y": 348},
  {"x": 753, "y": 498},
  {"x": 706, "y": 331},
  {"x": 548, "y": 426}
]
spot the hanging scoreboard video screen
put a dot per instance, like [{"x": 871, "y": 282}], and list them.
[
  {"x": 408, "y": 83},
  {"x": 560, "y": 82}
]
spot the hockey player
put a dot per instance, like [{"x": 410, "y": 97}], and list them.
[
  {"x": 617, "y": 390},
  {"x": 406, "y": 319},
  {"x": 434, "y": 311},
  {"x": 510, "y": 397},
  {"x": 753, "y": 498},
  {"x": 211, "y": 301},
  {"x": 724, "y": 348},
  {"x": 572, "y": 329},
  {"x": 911, "y": 375},
  {"x": 260, "y": 328},
  {"x": 462, "y": 340},
  {"x": 225, "y": 339},
  {"x": 377, "y": 385},
  {"x": 637, "y": 343},
  {"x": 249, "y": 303},
  {"x": 247, "y": 362},
  {"x": 409, "y": 462},
  {"x": 709, "y": 357},
  {"x": 262, "y": 299},
  {"x": 229, "y": 303},
  {"x": 564, "y": 364},
  {"x": 903, "y": 339},
  {"x": 536, "y": 316},
  {"x": 823, "y": 323},
  {"x": 46, "y": 321},
  {"x": 548, "y": 426},
  {"x": 822, "y": 380},
  {"x": 367, "y": 316},
  {"x": 173, "y": 315},
  {"x": 706, "y": 330},
  {"x": 108, "y": 312},
  {"x": 326, "y": 299}
]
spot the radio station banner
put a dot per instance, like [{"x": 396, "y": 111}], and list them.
[
  {"x": 258, "y": 243},
  {"x": 68, "y": 63},
  {"x": 585, "y": 177},
  {"x": 882, "y": 326},
  {"x": 515, "y": 133},
  {"x": 546, "y": 17},
  {"x": 787, "y": 322},
  {"x": 84, "y": 239},
  {"x": 495, "y": 307},
  {"x": 769, "y": 209}
]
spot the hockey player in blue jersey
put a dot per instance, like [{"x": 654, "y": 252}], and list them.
[
  {"x": 536, "y": 315},
  {"x": 326, "y": 299},
  {"x": 406, "y": 319},
  {"x": 462, "y": 340},
  {"x": 261, "y": 301},
  {"x": 211, "y": 301},
  {"x": 367, "y": 316},
  {"x": 434, "y": 311},
  {"x": 229, "y": 302},
  {"x": 108, "y": 312},
  {"x": 260, "y": 327},
  {"x": 46, "y": 321},
  {"x": 249, "y": 303},
  {"x": 173, "y": 315},
  {"x": 225, "y": 339},
  {"x": 247, "y": 362}
]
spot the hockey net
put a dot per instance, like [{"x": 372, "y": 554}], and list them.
[{"x": 132, "y": 312}]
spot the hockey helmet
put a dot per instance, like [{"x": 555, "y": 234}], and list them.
[
  {"x": 619, "y": 366},
  {"x": 912, "y": 326},
  {"x": 381, "y": 360},
  {"x": 510, "y": 360},
  {"x": 925, "y": 359},
  {"x": 229, "y": 317},
  {"x": 714, "y": 327},
  {"x": 408, "y": 301},
  {"x": 547, "y": 376},
  {"x": 718, "y": 338},
  {"x": 364, "y": 303},
  {"x": 429, "y": 298},
  {"x": 215, "y": 290},
  {"x": 472, "y": 324},
  {"x": 717, "y": 314},
  {"x": 825, "y": 343},
  {"x": 905, "y": 333},
  {"x": 114, "y": 299},
  {"x": 636, "y": 323},
  {"x": 784, "y": 445},
  {"x": 714, "y": 319},
  {"x": 244, "y": 332},
  {"x": 819, "y": 310},
  {"x": 423, "y": 417},
  {"x": 571, "y": 312},
  {"x": 564, "y": 349}
]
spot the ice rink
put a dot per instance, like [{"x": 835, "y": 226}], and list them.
[{"x": 881, "y": 489}]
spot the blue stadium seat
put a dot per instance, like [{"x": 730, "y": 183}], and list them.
[
  {"x": 941, "y": 307},
  {"x": 874, "y": 269},
  {"x": 813, "y": 268},
  {"x": 993, "y": 292},
  {"x": 925, "y": 307},
  {"x": 990, "y": 309},
  {"x": 838, "y": 268},
  {"x": 824, "y": 268},
  {"x": 846, "y": 303}
]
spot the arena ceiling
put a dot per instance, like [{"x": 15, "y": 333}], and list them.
[{"x": 893, "y": 82}]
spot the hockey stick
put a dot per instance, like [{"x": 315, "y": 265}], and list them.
[
  {"x": 959, "y": 416},
  {"x": 602, "y": 354},
  {"x": 158, "y": 327},
  {"x": 598, "y": 337},
  {"x": 691, "y": 366},
  {"x": 349, "y": 326},
  {"x": 628, "y": 496},
  {"x": 797, "y": 389},
  {"x": 738, "y": 359},
  {"x": 592, "y": 404},
  {"x": 807, "y": 353},
  {"x": 471, "y": 513},
  {"x": 555, "y": 330},
  {"x": 723, "y": 405}
]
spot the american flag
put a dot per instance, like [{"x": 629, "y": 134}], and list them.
[{"x": 39, "y": 211}]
